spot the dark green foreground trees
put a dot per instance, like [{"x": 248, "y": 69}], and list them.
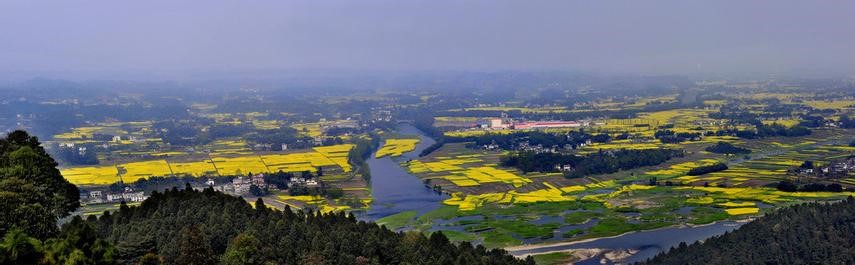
[
  {"x": 206, "y": 227},
  {"x": 33, "y": 197},
  {"x": 814, "y": 233},
  {"x": 33, "y": 194},
  {"x": 192, "y": 227}
]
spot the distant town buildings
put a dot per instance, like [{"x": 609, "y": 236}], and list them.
[
  {"x": 241, "y": 185},
  {"x": 842, "y": 168},
  {"x": 126, "y": 196},
  {"x": 505, "y": 123},
  {"x": 258, "y": 181},
  {"x": 97, "y": 196}
]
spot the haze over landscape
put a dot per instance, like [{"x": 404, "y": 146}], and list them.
[
  {"x": 422, "y": 132},
  {"x": 169, "y": 39}
]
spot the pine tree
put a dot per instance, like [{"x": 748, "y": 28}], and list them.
[{"x": 194, "y": 248}]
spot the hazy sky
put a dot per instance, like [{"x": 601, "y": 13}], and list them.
[{"x": 650, "y": 37}]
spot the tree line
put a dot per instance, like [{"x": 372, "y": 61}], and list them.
[
  {"x": 789, "y": 186},
  {"x": 602, "y": 162},
  {"x": 707, "y": 169},
  {"x": 511, "y": 141}
]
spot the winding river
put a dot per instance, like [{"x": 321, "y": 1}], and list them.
[{"x": 394, "y": 190}]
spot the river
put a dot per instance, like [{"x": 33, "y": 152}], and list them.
[
  {"x": 393, "y": 189},
  {"x": 642, "y": 245}
]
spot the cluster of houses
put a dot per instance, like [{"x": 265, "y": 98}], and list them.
[
  {"x": 127, "y": 195},
  {"x": 835, "y": 169},
  {"x": 81, "y": 150},
  {"x": 311, "y": 183},
  {"x": 239, "y": 186},
  {"x": 525, "y": 146}
]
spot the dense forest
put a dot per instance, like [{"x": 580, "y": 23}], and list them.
[
  {"x": 192, "y": 227},
  {"x": 813, "y": 233},
  {"x": 602, "y": 162}
]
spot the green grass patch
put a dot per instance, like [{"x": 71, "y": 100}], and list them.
[
  {"x": 443, "y": 212},
  {"x": 397, "y": 220},
  {"x": 610, "y": 226},
  {"x": 495, "y": 239},
  {"x": 580, "y": 217},
  {"x": 706, "y": 215},
  {"x": 554, "y": 258},
  {"x": 458, "y": 236},
  {"x": 572, "y": 233},
  {"x": 524, "y": 229}
]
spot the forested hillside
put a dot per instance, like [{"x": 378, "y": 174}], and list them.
[
  {"x": 205, "y": 227},
  {"x": 814, "y": 233}
]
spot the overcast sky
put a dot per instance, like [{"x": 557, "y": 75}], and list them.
[{"x": 648, "y": 37}]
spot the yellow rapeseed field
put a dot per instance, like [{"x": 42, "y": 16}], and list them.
[
  {"x": 397, "y": 147},
  {"x": 737, "y": 204},
  {"x": 741, "y": 211},
  {"x": 196, "y": 169},
  {"x": 144, "y": 169},
  {"x": 472, "y": 201},
  {"x": 479, "y": 175},
  {"x": 336, "y": 155},
  {"x": 239, "y": 165},
  {"x": 91, "y": 175}
]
